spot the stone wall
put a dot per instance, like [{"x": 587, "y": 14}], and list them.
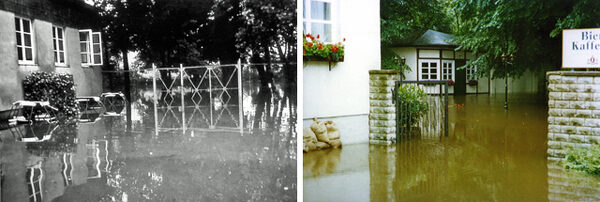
[
  {"x": 382, "y": 111},
  {"x": 573, "y": 111}
]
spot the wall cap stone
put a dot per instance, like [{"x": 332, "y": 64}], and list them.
[
  {"x": 384, "y": 71},
  {"x": 576, "y": 73}
]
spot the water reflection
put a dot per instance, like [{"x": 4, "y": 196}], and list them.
[
  {"x": 490, "y": 155},
  {"x": 125, "y": 158}
]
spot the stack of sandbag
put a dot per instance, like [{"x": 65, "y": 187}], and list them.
[{"x": 321, "y": 135}]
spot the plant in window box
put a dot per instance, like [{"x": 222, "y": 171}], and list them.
[
  {"x": 450, "y": 82},
  {"x": 472, "y": 82},
  {"x": 314, "y": 49}
]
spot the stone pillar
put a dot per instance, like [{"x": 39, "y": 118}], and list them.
[
  {"x": 573, "y": 111},
  {"x": 382, "y": 110}
]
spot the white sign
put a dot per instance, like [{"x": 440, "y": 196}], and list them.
[{"x": 581, "y": 48}]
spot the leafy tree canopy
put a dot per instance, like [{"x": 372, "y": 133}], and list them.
[
  {"x": 170, "y": 32},
  {"x": 508, "y": 37},
  {"x": 404, "y": 20}
]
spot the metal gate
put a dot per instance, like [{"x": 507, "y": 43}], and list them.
[
  {"x": 421, "y": 109},
  {"x": 199, "y": 97}
]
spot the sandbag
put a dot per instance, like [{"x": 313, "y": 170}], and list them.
[
  {"x": 311, "y": 146},
  {"x": 309, "y": 136},
  {"x": 320, "y": 130},
  {"x": 335, "y": 143},
  {"x": 322, "y": 145},
  {"x": 333, "y": 132},
  {"x": 309, "y": 139}
]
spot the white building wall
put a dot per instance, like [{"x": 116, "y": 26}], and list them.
[
  {"x": 344, "y": 91},
  {"x": 527, "y": 83},
  {"x": 410, "y": 53}
]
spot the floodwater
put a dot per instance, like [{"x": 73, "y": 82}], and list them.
[
  {"x": 490, "y": 155},
  {"x": 184, "y": 153}
]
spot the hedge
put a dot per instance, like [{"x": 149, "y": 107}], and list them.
[{"x": 57, "y": 88}]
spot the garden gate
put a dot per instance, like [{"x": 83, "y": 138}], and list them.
[
  {"x": 199, "y": 97},
  {"x": 426, "y": 119}
]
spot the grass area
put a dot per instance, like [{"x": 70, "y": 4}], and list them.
[{"x": 584, "y": 159}]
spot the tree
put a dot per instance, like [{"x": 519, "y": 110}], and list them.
[
  {"x": 405, "y": 20},
  {"x": 268, "y": 35},
  {"x": 583, "y": 14},
  {"x": 510, "y": 37}
]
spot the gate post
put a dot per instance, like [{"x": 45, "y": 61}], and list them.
[
  {"x": 182, "y": 97},
  {"x": 209, "y": 69},
  {"x": 240, "y": 94},
  {"x": 154, "y": 73},
  {"x": 382, "y": 110}
]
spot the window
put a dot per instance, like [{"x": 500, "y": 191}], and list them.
[
  {"x": 90, "y": 44},
  {"x": 471, "y": 70},
  {"x": 317, "y": 18},
  {"x": 58, "y": 40},
  {"x": 25, "y": 50},
  {"x": 448, "y": 70},
  {"x": 429, "y": 69}
]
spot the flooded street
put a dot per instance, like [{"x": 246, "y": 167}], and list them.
[
  {"x": 490, "y": 155},
  {"x": 193, "y": 152}
]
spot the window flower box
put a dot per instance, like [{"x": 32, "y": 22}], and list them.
[
  {"x": 473, "y": 83},
  {"x": 329, "y": 58},
  {"x": 315, "y": 50}
]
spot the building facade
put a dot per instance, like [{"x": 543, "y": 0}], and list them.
[
  {"x": 433, "y": 56},
  {"x": 49, "y": 35},
  {"x": 341, "y": 93}
]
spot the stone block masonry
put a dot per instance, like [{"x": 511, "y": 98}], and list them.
[
  {"x": 573, "y": 111},
  {"x": 382, "y": 110}
]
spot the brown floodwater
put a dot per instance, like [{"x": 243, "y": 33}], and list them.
[{"x": 490, "y": 155}]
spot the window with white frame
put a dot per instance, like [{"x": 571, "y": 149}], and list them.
[
  {"x": 58, "y": 40},
  {"x": 448, "y": 70},
  {"x": 318, "y": 18},
  {"x": 90, "y": 44},
  {"x": 25, "y": 41},
  {"x": 471, "y": 70},
  {"x": 429, "y": 69}
]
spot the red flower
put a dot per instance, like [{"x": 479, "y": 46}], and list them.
[
  {"x": 308, "y": 35},
  {"x": 309, "y": 44},
  {"x": 312, "y": 38},
  {"x": 320, "y": 46},
  {"x": 344, "y": 39},
  {"x": 303, "y": 51},
  {"x": 318, "y": 35},
  {"x": 334, "y": 49}
]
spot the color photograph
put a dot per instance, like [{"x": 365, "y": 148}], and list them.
[{"x": 450, "y": 100}]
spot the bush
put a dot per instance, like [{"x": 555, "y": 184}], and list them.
[
  {"x": 412, "y": 104},
  {"x": 56, "y": 88},
  {"x": 584, "y": 159}
]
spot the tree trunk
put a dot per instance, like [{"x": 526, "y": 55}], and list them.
[{"x": 127, "y": 89}]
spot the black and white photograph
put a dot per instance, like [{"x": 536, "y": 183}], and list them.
[{"x": 148, "y": 100}]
